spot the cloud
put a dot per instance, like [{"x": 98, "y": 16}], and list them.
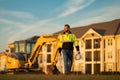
[
  {"x": 37, "y": 28},
  {"x": 30, "y": 28},
  {"x": 17, "y": 14},
  {"x": 19, "y": 29},
  {"x": 73, "y": 6},
  {"x": 102, "y": 15},
  {"x": 10, "y": 22}
]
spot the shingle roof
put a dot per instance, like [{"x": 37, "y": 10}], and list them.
[{"x": 105, "y": 28}]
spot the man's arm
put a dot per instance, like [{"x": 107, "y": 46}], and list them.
[{"x": 76, "y": 44}]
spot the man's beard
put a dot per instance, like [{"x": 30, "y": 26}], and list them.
[{"x": 67, "y": 31}]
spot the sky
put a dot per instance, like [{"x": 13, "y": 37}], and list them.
[{"x": 21, "y": 19}]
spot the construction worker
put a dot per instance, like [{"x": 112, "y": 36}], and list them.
[{"x": 67, "y": 41}]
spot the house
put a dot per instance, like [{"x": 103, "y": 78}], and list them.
[{"x": 100, "y": 47}]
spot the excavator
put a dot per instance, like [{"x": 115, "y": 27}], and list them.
[
  {"x": 34, "y": 54},
  {"x": 56, "y": 59}
]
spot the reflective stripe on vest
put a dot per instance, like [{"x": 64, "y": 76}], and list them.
[{"x": 69, "y": 37}]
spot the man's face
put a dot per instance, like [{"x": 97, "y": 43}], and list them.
[{"x": 66, "y": 28}]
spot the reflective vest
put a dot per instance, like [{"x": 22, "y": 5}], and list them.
[{"x": 67, "y": 41}]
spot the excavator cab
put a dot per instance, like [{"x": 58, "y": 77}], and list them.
[{"x": 25, "y": 47}]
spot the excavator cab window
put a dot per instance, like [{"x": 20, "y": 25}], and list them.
[
  {"x": 19, "y": 47},
  {"x": 32, "y": 46},
  {"x": 22, "y": 47},
  {"x": 29, "y": 47},
  {"x": 16, "y": 47}
]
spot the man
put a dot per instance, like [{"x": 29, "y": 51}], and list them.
[{"x": 67, "y": 41}]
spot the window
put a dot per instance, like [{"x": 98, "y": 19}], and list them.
[
  {"x": 96, "y": 68},
  {"x": 33, "y": 45},
  {"x": 104, "y": 43},
  {"x": 88, "y": 56},
  {"x": 109, "y": 42},
  {"x": 109, "y": 55},
  {"x": 22, "y": 47},
  {"x": 96, "y": 43},
  {"x": 16, "y": 47},
  {"x": 40, "y": 58},
  {"x": 28, "y": 48},
  {"x": 88, "y": 68},
  {"x": 48, "y": 58},
  {"x": 110, "y": 67},
  {"x": 88, "y": 44},
  {"x": 49, "y": 47},
  {"x": 96, "y": 55}
]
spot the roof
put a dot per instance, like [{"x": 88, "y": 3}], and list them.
[
  {"x": 105, "y": 28},
  {"x": 34, "y": 38},
  {"x": 31, "y": 39}
]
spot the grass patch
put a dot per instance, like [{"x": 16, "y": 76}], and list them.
[{"x": 57, "y": 77}]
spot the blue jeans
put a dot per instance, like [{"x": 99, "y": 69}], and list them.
[{"x": 68, "y": 59}]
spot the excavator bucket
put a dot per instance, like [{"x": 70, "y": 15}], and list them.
[
  {"x": 53, "y": 70},
  {"x": 58, "y": 67},
  {"x": 57, "y": 63}
]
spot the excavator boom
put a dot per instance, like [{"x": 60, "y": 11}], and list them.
[{"x": 38, "y": 46}]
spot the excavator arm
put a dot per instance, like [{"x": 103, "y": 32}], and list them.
[
  {"x": 38, "y": 46},
  {"x": 55, "y": 54}
]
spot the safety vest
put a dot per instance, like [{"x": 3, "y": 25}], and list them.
[{"x": 67, "y": 41}]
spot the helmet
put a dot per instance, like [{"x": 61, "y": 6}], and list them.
[{"x": 78, "y": 56}]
